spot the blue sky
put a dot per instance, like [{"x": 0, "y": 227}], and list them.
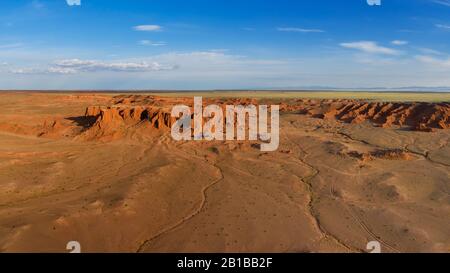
[{"x": 205, "y": 44}]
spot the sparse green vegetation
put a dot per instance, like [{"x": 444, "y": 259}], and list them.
[
  {"x": 361, "y": 95},
  {"x": 374, "y": 96}
]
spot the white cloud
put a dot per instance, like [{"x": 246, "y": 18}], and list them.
[
  {"x": 442, "y": 2},
  {"x": 220, "y": 69},
  {"x": 151, "y": 43},
  {"x": 73, "y": 2},
  {"x": 50, "y": 70},
  {"x": 443, "y": 26},
  {"x": 370, "y": 47},
  {"x": 73, "y": 66},
  {"x": 24, "y": 71},
  {"x": 429, "y": 51},
  {"x": 90, "y": 65},
  {"x": 148, "y": 28},
  {"x": 434, "y": 61},
  {"x": 302, "y": 30},
  {"x": 399, "y": 42},
  {"x": 61, "y": 70},
  {"x": 10, "y": 46}
]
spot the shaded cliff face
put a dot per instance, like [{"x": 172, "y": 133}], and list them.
[
  {"x": 126, "y": 115},
  {"x": 115, "y": 116},
  {"x": 132, "y": 113},
  {"x": 112, "y": 122}
]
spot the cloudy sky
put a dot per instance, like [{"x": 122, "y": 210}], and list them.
[{"x": 223, "y": 44}]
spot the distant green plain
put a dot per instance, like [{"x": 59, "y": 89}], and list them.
[
  {"x": 372, "y": 96},
  {"x": 280, "y": 95}
]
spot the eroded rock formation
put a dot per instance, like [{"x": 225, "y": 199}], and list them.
[
  {"x": 114, "y": 119},
  {"x": 415, "y": 116}
]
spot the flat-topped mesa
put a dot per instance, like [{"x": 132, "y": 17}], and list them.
[
  {"x": 113, "y": 118},
  {"x": 109, "y": 115},
  {"x": 129, "y": 110}
]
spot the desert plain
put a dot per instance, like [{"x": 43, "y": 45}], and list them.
[{"x": 102, "y": 169}]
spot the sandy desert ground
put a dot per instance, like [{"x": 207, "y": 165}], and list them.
[{"x": 103, "y": 170}]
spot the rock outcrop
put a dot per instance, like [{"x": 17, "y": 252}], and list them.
[
  {"x": 114, "y": 121},
  {"x": 154, "y": 113},
  {"x": 415, "y": 116}
]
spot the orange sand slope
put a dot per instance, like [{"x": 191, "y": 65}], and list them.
[{"x": 103, "y": 170}]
